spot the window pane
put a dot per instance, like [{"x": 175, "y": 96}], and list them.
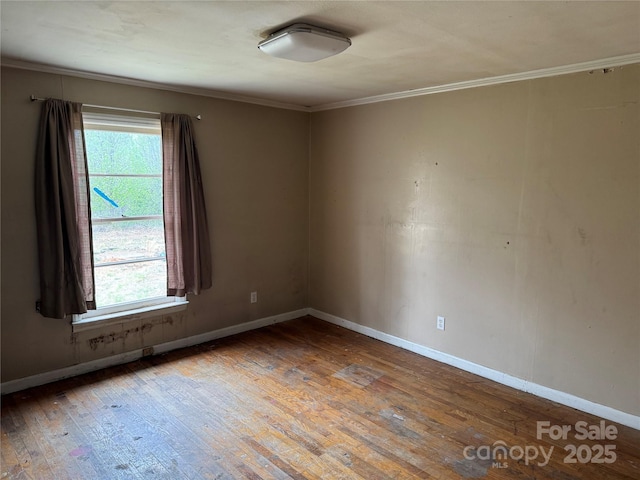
[
  {"x": 123, "y": 152},
  {"x": 130, "y": 282},
  {"x": 117, "y": 241},
  {"x": 116, "y": 160},
  {"x": 125, "y": 196}
]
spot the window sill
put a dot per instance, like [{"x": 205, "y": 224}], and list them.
[{"x": 125, "y": 316}]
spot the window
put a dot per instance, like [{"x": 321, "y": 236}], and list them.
[
  {"x": 124, "y": 159},
  {"x": 130, "y": 174}
]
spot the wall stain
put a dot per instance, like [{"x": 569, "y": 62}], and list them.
[
  {"x": 108, "y": 338},
  {"x": 583, "y": 236}
]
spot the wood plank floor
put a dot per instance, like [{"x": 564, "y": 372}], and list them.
[{"x": 301, "y": 399}]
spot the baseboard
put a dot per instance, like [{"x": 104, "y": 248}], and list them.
[
  {"x": 73, "y": 370},
  {"x": 563, "y": 398}
]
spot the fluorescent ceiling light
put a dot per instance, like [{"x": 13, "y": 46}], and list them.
[{"x": 304, "y": 43}]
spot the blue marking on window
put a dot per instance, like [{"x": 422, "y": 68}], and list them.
[{"x": 105, "y": 196}]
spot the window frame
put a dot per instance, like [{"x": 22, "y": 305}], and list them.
[{"x": 122, "y": 312}]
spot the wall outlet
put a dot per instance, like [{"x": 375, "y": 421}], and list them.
[
  {"x": 147, "y": 351},
  {"x": 440, "y": 323},
  {"x": 254, "y": 297}
]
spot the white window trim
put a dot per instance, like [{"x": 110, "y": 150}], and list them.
[
  {"x": 128, "y": 312},
  {"x": 120, "y": 123},
  {"x": 148, "y": 307}
]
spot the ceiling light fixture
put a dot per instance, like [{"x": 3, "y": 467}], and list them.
[{"x": 302, "y": 42}]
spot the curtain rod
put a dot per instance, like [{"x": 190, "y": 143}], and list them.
[{"x": 33, "y": 98}]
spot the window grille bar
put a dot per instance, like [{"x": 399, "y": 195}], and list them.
[
  {"x": 124, "y": 262},
  {"x": 125, "y": 219},
  {"x": 143, "y": 175}
]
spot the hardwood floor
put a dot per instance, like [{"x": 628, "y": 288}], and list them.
[{"x": 301, "y": 399}]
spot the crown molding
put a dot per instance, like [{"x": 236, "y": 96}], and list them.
[
  {"x": 204, "y": 92},
  {"x": 610, "y": 62},
  {"x": 484, "y": 82}
]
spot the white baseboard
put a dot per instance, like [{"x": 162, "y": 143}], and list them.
[
  {"x": 563, "y": 398},
  {"x": 72, "y": 371}
]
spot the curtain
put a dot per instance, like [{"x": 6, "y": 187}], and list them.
[
  {"x": 62, "y": 212},
  {"x": 185, "y": 217}
]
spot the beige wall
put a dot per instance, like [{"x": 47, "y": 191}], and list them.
[
  {"x": 255, "y": 170},
  {"x": 511, "y": 210}
]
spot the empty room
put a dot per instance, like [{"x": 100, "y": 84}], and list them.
[{"x": 320, "y": 240}]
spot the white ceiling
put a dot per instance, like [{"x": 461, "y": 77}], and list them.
[{"x": 397, "y": 46}]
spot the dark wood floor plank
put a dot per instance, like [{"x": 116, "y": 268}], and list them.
[
  {"x": 29, "y": 448},
  {"x": 302, "y": 399}
]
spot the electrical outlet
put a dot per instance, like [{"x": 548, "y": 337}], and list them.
[
  {"x": 440, "y": 323},
  {"x": 147, "y": 351},
  {"x": 254, "y": 297}
]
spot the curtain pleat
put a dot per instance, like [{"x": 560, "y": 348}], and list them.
[
  {"x": 62, "y": 212},
  {"x": 185, "y": 218}
]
